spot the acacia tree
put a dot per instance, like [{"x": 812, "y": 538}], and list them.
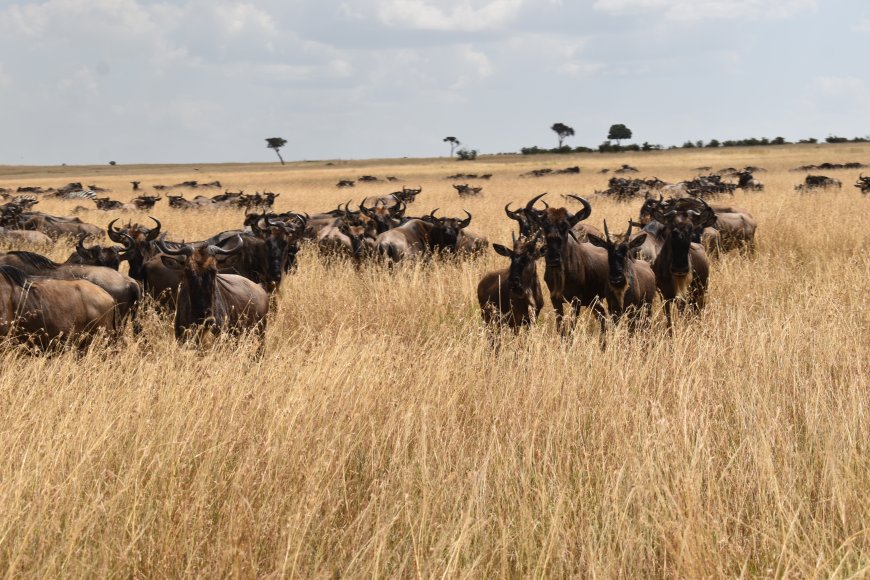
[
  {"x": 619, "y": 132},
  {"x": 563, "y": 131},
  {"x": 454, "y": 143},
  {"x": 276, "y": 143}
]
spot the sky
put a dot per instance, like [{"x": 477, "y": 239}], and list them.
[{"x": 188, "y": 81}]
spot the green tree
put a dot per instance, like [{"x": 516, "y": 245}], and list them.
[
  {"x": 619, "y": 132},
  {"x": 454, "y": 143},
  {"x": 276, "y": 143},
  {"x": 563, "y": 131}
]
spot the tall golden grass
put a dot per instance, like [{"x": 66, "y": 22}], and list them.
[{"x": 382, "y": 435}]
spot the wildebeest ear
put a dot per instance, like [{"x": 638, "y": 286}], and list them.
[
  {"x": 502, "y": 250},
  {"x": 637, "y": 241},
  {"x": 173, "y": 262},
  {"x": 596, "y": 241}
]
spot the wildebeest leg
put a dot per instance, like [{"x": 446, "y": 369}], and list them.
[{"x": 559, "y": 307}]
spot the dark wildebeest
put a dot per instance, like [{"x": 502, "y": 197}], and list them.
[
  {"x": 576, "y": 272},
  {"x": 681, "y": 267},
  {"x": 106, "y": 256},
  {"x": 421, "y": 237},
  {"x": 528, "y": 217},
  {"x": 42, "y": 311},
  {"x": 631, "y": 283},
  {"x": 513, "y": 295},
  {"x": 209, "y": 301},
  {"x": 123, "y": 289},
  {"x": 746, "y": 181},
  {"x": 278, "y": 238},
  {"x": 863, "y": 183}
]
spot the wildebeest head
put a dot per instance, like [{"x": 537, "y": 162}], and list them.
[
  {"x": 556, "y": 224},
  {"x": 384, "y": 217},
  {"x": 682, "y": 218},
  {"x": 525, "y": 217},
  {"x": 138, "y": 242},
  {"x": 445, "y": 233},
  {"x": 106, "y": 256},
  {"x": 646, "y": 210},
  {"x": 523, "y": 256},
  {"x": 278, "y": 236},
  {"x": 618, "y": 257},
  {"x": 199, "y": 266}
]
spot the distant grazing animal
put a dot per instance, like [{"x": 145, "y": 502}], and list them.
[{"x": 863, "y": 184}]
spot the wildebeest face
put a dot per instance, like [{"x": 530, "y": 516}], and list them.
[
  {"x": 107, "y": 257},
  {"x": 618, "y": 254},
  {"x": 523, "y": 256}
]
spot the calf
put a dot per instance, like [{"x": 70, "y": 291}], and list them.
[{"x": 513, "y": 295}]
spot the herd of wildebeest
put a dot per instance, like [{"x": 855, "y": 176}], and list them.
[{"x": 226, "y": 283}]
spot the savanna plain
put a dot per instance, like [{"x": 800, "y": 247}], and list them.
[{"x": 382, "y": 435}]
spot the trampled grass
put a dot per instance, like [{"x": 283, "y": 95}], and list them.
[{"x": 382, "y": 435}]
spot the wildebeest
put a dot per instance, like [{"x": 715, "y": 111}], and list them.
[
  {"x": 863, "y": 184},
  {"x": 681, "y": 267},
  {"x": 57, "y": 227},
  {"x": 746, "y": 181},
  {"x": 465, "y": 190},
  {"x": 43, "y": 311},
  {"x": 420, "y": 237},
  {"x": 812, "y": 182},
  {"x": 123, "y": 289},
  {"x": 209, "y": 301},
  {"x": 631, "y": 283},
  {"x": 576, "y": 271},
  {"x": 106, "y": 256},
  {"x": 145, "y": 202},
  {"x": 513, "y": 295},
  {"x": 23, "y": 237}
]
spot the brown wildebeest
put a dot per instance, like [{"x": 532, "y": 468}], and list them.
[
  {"x": 576, "y": 272},
  {"x": 421, "y": 237},
  {"x": 209, "y": 301},
  {"x": 123, "y": 289},
  {"x": 513, "y": 295},
  {"x": 681, "y": 267},
  {"x": 26, "y": 237},
  {"x": 528, "y": 217},
  {"x": 631, "y": 283},
  {"x": 747, "y": 181},
  {"x": 44, "y": 311},
  {"x": 57, "y": 227}
]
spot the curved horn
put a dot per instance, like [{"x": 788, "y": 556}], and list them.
[
  {"x": 402, "y": 207},
  {"x": 432, "y": 215},
  {"x": 186, "y": 250},
  {"x": 582, "y": 214},
  {"x": 606, "y": 232},
  {"x": 464, "y": 223},
  {"x": 80, "y": 244},
  {"x": 114, "y": 233},
  {"x": 530, "y": 205},
  {"x": 214, "y": 250},
  {"x": 152, "y": 234},
  {"x": 628, "y": 232},
  {"x": 514, "y": 215}
]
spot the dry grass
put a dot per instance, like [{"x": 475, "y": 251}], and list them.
[{"x": 382, "y": 436}]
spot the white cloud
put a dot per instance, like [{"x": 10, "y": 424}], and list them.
[
  {"x": 244, "y": 18},
  {"x": 708, "y": 9},
  {"x": 840, "y": 86},
  {"x": 461, "y": 16},
  {"x": 862, "y": 26}
]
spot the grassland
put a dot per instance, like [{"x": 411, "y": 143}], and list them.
[{"x": 381, "y": 435}]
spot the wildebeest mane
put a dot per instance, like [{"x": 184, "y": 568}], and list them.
[
  {"x": 14, "y": 275},
  {"x": 35, "y": 260}
]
